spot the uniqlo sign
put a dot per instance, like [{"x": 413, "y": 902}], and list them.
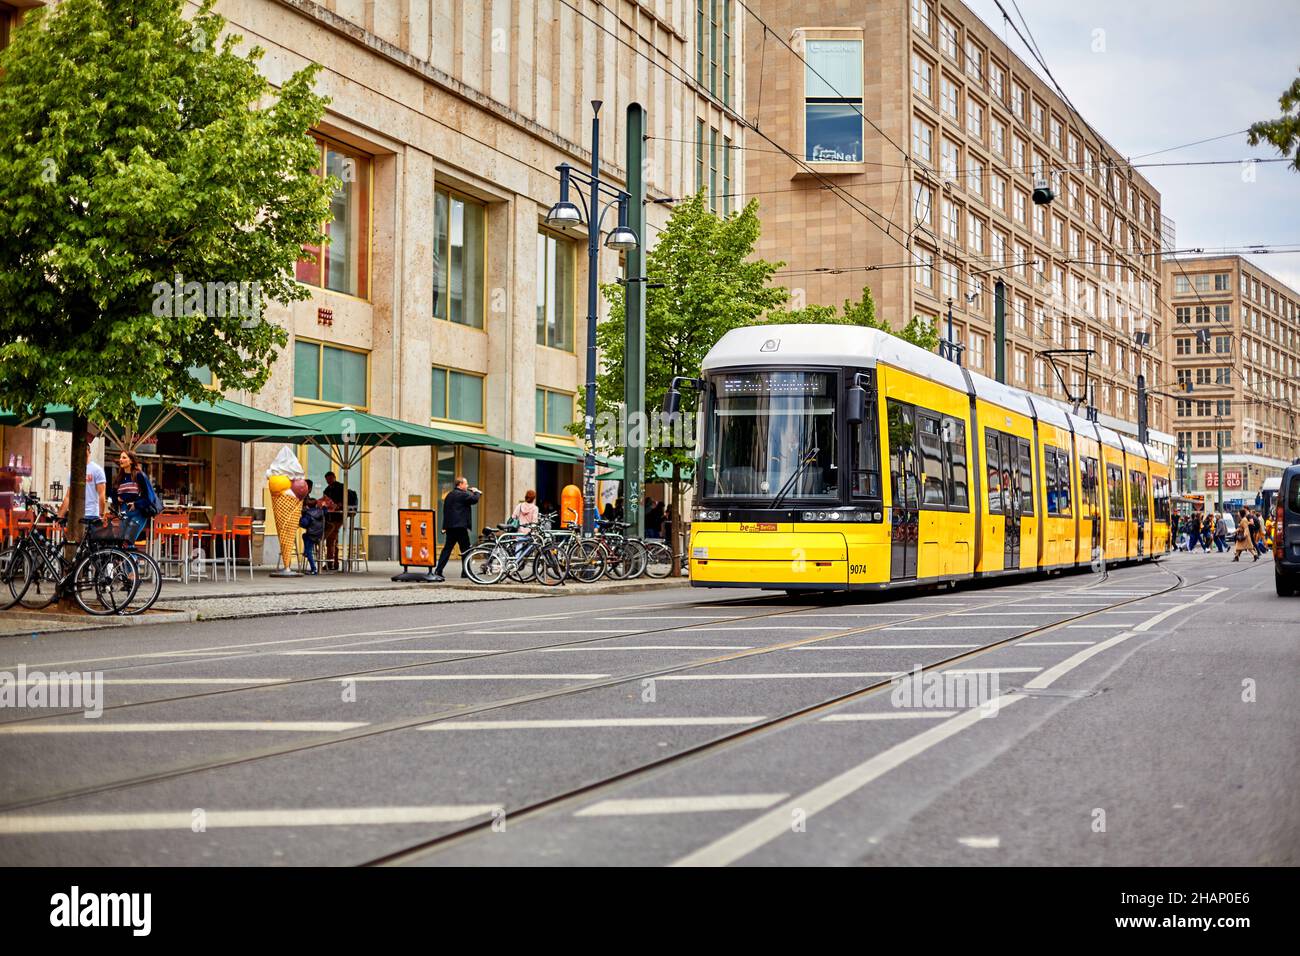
[{"x": 1231, "y": 479}]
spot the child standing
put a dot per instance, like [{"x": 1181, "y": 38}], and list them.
[{"x": 313, "y": 524}]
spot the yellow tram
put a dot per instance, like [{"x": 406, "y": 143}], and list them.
[{"x": 843, "y": 458}]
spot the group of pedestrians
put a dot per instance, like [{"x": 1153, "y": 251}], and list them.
[{"x": 1247, "y": 531}]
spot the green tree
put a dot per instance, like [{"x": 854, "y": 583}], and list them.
[
  {"x": 137, "y": 146},
  {"x": 1283, "y": 132},
  {"x": 711, "y": 283}
]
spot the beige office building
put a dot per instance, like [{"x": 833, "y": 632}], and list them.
[
  {"x": 443, "y": 297},
  {"x": 918, "y": 139},
  {"x": 1235, "y": 358}
]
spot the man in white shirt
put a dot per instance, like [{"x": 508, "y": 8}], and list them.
[{"x": 96, "y": 491}]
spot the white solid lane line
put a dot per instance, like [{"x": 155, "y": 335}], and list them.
[
  {"x": 541, "y": 631},
  {"x": 823, "y": 674},
  {"x": 151, "y": 681},
  {"x": 109, "y": 727},
  {"x": 421, "y": 650},
  {"x": 1054, "y": 643},
  {"x": 389, "y": 678},
  {"x": 889, "y": 715},
  {"x": 776, "y": 822},
  {"x": 650, "y": 805},
  {"x": 880, "y": 647},
  {"x": 944, "y": 627},
  {"x": 646, "y": 647},
  {"x": 13, "y": 824},
  {"x": 591, "y": 722}
]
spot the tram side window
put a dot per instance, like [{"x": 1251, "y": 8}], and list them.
[
  {"x": 866, "y": 459},
  {"x": 993, "y": 466},
  {"x": 1138, "y": 495},
  {"x": 954, "y": 450},
  {"x": 1026, "y": 479},
  {"x": 1088, "y": 480},
  {"x": 1049, "y": 478},
  {"x": 902, "y": 455},
  {"x": 1160, "y": 488},
  {"x": 1115, "y": 491},
  {"x": 1063, "y": 501},
  {"x": 931, "y": 442}
]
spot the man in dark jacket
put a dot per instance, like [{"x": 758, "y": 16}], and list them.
[{"x": 457, "y": 519}]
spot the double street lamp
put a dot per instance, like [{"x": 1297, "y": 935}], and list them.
[{"x": 597, "y": 198}]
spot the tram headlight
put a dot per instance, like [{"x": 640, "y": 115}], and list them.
[
  {"x": 839, "y": 516},
  {"x": 699, "y": 514}
]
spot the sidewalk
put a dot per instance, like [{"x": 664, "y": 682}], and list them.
[{"x": 267, "y": 596}]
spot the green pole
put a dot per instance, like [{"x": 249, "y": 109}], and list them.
[{"x": 634, "y": 326}]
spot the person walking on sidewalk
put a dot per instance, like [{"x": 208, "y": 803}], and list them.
[
  {"x": 457, "y": 519},
  {"x": 1193, "y": 527},
  {"x": 1221, "y": 532},
  {"x": 132, "y": 496},
  {"x": 1207, "y": 532}
]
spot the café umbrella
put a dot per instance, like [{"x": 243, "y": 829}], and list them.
[{"x": 348, "y": 436}]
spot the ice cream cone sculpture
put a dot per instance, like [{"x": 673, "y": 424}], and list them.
[
  {"x": 288, "y": 510},
  {"x": 286, "y": 505}
]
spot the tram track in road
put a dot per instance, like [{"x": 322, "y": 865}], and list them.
[
  {"x": 447, "y": 714},
  {"x": 745, "y": 734}
]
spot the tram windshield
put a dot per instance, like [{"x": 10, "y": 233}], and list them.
[{"x": 771, "y": 433}]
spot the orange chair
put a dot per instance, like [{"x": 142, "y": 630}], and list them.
[
  {"x": 218, "y": 533},
  {"x": 241, "y": 526},
  {"x": 173, "y": 534}
]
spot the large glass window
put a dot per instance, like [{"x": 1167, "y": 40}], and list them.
[
  {"x": 554, "y": 412},
  {"x": 556, "y": 276},
  {"x": 833, "y": 101},
  {"x": 457, "y": 396},
  {"x": 343, "y": 262},
  {"x": 713, "y": 46},
  {"x": 771, "y": 433},
  {"x": 459, "y": 241},
  {"x": 864, "y": 481},
  {"x": 333, "y": 376}
]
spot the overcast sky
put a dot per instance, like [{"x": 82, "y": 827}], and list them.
[{"x": 1169, "y": 72}]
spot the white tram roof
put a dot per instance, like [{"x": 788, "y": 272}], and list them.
[{"x": 838, "y": 345}]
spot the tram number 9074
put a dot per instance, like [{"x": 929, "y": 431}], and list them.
[{"x": 857, "y": 569}]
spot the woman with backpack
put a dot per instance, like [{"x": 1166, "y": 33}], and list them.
[{"x": 133, "y": 497}]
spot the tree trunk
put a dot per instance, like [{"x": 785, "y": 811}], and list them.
[{"x": 76, "y": 493}]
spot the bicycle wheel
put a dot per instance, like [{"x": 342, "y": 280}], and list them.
[
  {"x": 520, "y": 566},
  {"x": 659, "y": 560},
  {"x": 105, "y": 581},
  {"x": 547, "y": 566},
  {"x": 41, "y": 588},
  {"x": 585, "y": 561},
  {"x": 621, "y": 560},
  {"x": 149, "y": 576},
  {"x": 13, "y": 576},
  {"x": 637, "y": 558},
  {"x": 485, "y": 564}
]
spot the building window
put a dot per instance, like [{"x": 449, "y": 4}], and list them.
[
  {"x": 726, "y": 196},
  {"x": 713, "y": 171},
  {"x": 974, "y": 60},
  {"x": 977, "y": 349},
  {"x": 833, "y": 101},
  {"x": 554, "y": 413},
  {"x": 995, "y": 80},
  {"x": 921, "y": 15},
  {"x": 922, "y": 76},
  {"x": 457, "y": 396},
  {"x": 556, "y": 275},
  {"x": 699, "y": 155},
  {"x": 923, "y": 267},
  {"x": 329, "y": 375},
  {"x": 948, "y": 97},
  {"x": 948, "y": 37},
  {"x": 459, "y": 244},
  {"x": 342, "y": 263},
  {"x": 948, "y": 158},
  {"x": 922, "y": 204},
  {"x": 713, "y": 42},
  {"x": 922, "y": 140}
]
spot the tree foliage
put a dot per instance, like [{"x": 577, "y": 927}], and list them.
[
  {"x": 1284, "y": 132},
  {"x": 137, "y": 146}
]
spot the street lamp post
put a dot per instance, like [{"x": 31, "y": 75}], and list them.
[{"x": 563, "y": 215}]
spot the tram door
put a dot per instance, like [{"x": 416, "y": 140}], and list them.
[
  {"x": 905, "y": 482},
  {"x": 1011, "y": 499}
]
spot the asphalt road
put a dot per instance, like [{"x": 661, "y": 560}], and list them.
[{"x": 1123, "y": 723}]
